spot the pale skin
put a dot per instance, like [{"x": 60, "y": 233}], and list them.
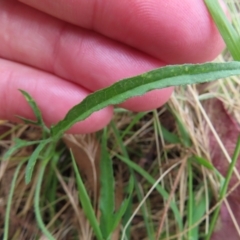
[{"x": 60, "y": 51}]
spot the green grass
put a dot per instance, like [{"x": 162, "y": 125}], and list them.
[{"x": 146, "y": 189}]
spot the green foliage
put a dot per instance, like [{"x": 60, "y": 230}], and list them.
[
  {"x": 169, "y": 137},
  {"x": 86, "y": 202},
  {"x": 135, "y": 120},
  {"x": 199, "y": 209},
  {"x": 124, "y": 205},
  {"x": 159, "y": 78},
  {"x": 18, "y": 144},
  {"x": 36, "y": 111},
  {"x": 227, "y": 30},
  {"x": 37, "y": 201},
  {"x": 32, "y": 161},
  {"x": 202, "y": 161},
  {"x": 190, "y": 201},
  {"x": 134, "y": 86},
  {"x": 122, "y": 90},
  {"x": 9, "y": 202},
  {"x": 107, "y": 192},
  {"x": 159, "y": 188},
  {"x": 224, "y": 188}
]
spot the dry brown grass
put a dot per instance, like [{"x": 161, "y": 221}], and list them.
[{"x": 145, "y": 146}]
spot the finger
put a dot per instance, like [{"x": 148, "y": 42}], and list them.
[
  {"x": 83, "y": 57},
  {"x": 148, "y": 101},
  {"x": 53, "y": 95},
  {"x": 173, "y": 31}
]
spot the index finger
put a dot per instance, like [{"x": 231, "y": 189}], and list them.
[{"x": 173, "y": 31}]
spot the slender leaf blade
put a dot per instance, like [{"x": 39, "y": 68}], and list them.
[
  {"x": 9, "y": 201},
  {"x": 107, "y": 199},
  {"x": 229, "y": 34},
  {"x": 159, "y": 188},
  {"x": 32, "y": 161},
  {"x": 159, "y": 78},
  {"x": 34, "y": 107},
  {"x": 86, "y": 202},
  {"x": 169, "y": 136},
  {"x": 36, "y": 111},
  {"x": 198, "y": 213},
  {"x": 184, "y": 135},
  {"x": 202, "y": 161},
  {"x": 223, "y": 189},
  {"x": 37, "y": 209},
  {"x": 190, "y": 203},
  {"x": 123, "y": 208},
  {"x": 18, "y": 143}
]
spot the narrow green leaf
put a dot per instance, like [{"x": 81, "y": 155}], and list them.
[
  {"x": 229, "y": 34},
  {"x": 190, "y": 200},
  {"x": 32, "y": 161},
  {"x": 127, "y": 215},
  {"x": 159, "y": 78},
  {"x": 34, "y": 107},
  {"x": 18, "y": 143},
  {"x": 169, "y": 137},
  {"x": 184, "y": 135},
  {"x": 39, "y": 219},
  {"x": 146, "y": 212},
  {"x": 135, "y": 183},
  {"x": 202, "y": 161},
  {"x": 9, "y": 201},
  {"x": 122, "y": 147},
  {"x": 224, "y": 188},
  {"x": 123, "y": 208},
  {"x": 51, "y": 184},
  {"x": 199, "y": 211},
  {"x": 8, "y": 132},
  {"x": 107, "y": 191},
  {"x": 159, "y": 188},
  {"x": 163, "y": 132},
  {"x": 86, "y": 202},
  {"x": 134, "y": 121},
  {"x": 36, "y": 111}
]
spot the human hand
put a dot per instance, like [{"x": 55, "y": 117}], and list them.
[{"x": 69, "y": 49}]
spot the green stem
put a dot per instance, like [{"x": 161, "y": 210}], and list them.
[
  {"x": 9, "y": 202},
  {"x": 37, "y": 200},
  {"x": 224, "y": 188}
]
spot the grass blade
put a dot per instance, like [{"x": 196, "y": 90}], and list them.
[
  {"x": 9, "y": 202},
  {"x": 161, "y": 190},
  {"x": 32, "y": 161},
  {"x": 86, "y": 202},
  {"x": 202, "y": 161},
  {"x": 190, "y": 200},
  {"x": 107, "y": 199},
  {"x": 126, "y": 202},
  {"x": 18, "y": 143},
  {"x": 36, "y": 111},
  {"x": 199, "y": 211},
  {"x": 126, "y": 217},
  {"x": 169, "y": 136},
  {"x": 39, "y": 219},
  {"x": 146, "y": 214},
  {"x": 229, "y": 34},
  {"x": 133, "y": 166},
  {"x": 224, "y": 187},
  {"x": 184, "y": 135},
  {"x": 134, "y": 121},
  {"x": 159, "y": 78}
]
